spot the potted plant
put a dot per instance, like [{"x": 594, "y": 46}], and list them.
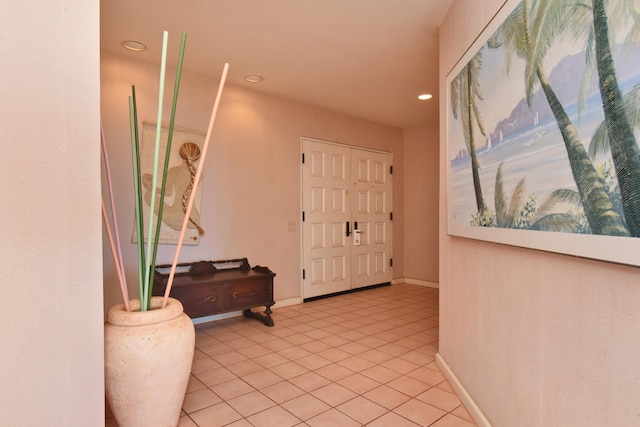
[{"x": 149, "y": 341}]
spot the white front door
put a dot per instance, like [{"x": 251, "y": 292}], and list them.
[
  {"x": 371, "y": 215},
  {"x": 346, "y": 203}
]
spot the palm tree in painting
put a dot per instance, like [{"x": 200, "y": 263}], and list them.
[
  {"x": 592, "y": 24},
  {"x": 465, "y": 91},
  {"x": 624, "y": 147},
  {"x": 530, "y": 40},
  {"x": 600, "y": 144},
  {"x": 507, "y": 209},
  {"x": 547, "y": 219},
  {"x": 514, "y": 212},
  {"x": 600, "y": 139}
]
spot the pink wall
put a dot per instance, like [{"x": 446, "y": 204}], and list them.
[
  {"x": 421, "y": 205},
  {"x": 535, "y": 338},
  {"x": 51, "y": 361},
  {"x": 252, "y": 176}
]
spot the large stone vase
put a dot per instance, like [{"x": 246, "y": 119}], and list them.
[{"x": 148, "y": 357}]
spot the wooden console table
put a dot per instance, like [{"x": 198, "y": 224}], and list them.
[{"x": 212, "y": 287}]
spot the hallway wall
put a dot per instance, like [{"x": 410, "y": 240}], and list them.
[
  {"x": 421, "y": 205},
  {"x": 536, "y": 338},
  {"x": 51, "y": 357}
]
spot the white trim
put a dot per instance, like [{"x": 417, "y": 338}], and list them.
[
  {"x": 278, "y": 304},
  {"x": 462, "y": 393},
  {"x": 341, "y": 144},
  {"x": 215, "y": 317},
  {"x": 426, "y": 283},
  {"x": 288, "y": 302}
]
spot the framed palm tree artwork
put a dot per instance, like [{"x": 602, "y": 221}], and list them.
[{"x": 543, "y": 120}]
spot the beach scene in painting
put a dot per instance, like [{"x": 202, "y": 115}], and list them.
[{"x": 543, "y": 121}]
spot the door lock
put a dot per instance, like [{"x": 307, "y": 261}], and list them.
[{"x": 356, "y": 237}]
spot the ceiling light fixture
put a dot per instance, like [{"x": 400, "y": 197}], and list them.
[
  {"x": 425, "y": 96},
  {"x": 134, "y": 45},
  {"x": 254, "y": 78}
]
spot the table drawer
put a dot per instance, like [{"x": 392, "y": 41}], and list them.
[
  {"x": 201, "y": 300},
  {"x": 248, "y": 293}
]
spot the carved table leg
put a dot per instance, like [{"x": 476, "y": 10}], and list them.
[{"x": 264, "y": 318}]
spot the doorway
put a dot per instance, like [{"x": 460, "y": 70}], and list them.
[{"x": 347, "y": 218}]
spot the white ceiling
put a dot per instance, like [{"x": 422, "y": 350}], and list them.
[{"x": 365, "y": 58}]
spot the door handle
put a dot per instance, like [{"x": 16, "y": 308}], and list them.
[{"x": 348, "y": 229}]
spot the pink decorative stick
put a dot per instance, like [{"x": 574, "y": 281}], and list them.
[
  {"x": 123, "y": 289},
  {"x": 121, "y": 275},
  {"x": 192, "y": 196}
]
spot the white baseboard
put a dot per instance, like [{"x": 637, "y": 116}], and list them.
[
  {"x": 462, "y": 393},
  {"x": 288, "y": 302},
  {"x": 214, "y": 317},
  {"x": 417, "y": 282}
]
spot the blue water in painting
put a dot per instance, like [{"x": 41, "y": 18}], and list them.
[{"x": 537, "y": 153}]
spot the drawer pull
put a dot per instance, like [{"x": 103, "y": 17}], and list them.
[
  {"x": 237, "y": 295},
  {"x": 210, "y": 299}
]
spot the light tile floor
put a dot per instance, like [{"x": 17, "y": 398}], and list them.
[{"x": 364, "y": 358}]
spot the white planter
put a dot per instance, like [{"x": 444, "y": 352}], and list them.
[{"x": 148, "y": 357}]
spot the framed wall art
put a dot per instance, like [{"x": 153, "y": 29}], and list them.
[
  {"x": 543, "y": 120},
  {"x": 186, "y": 148}
]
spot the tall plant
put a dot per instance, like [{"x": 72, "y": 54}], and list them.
[
  {"x": 147, "y": 256},
  {"x": 148, "y": 263}
]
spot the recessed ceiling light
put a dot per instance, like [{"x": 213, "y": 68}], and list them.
[
  {"x": 134, "y": 45},
  {"x": 254, "y": 78},
  {"x": 425, "y": 96}
]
